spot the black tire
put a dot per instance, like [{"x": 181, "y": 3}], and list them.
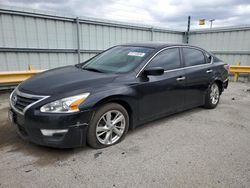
[
  {"x": 92, "y": 139},
  {"x": 209, "y": 103}
]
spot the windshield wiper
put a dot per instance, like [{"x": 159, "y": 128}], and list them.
[
  {"x": 92, "y": 69},
  {"x": 78, "y": 66}
]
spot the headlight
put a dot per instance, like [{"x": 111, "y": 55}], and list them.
[{"x": 65, "y": 105}]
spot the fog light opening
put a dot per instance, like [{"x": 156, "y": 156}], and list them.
[{"x": 51, "y": 132}]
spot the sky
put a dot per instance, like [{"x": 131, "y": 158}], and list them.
[{"x": 170, "y": 14}]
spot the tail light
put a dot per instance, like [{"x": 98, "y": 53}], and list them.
[{"x": 227, "y": 67}]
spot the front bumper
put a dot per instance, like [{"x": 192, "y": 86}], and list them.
[{"x": 29, "y": 127}]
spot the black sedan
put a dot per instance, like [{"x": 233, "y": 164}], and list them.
[{"x": 98, "y": 101}]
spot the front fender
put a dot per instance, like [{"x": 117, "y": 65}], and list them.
[
  {"x": 126, "y": 96},
  {"x": 122, "y": 93}
]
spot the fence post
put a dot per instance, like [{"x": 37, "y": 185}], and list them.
[
  {"x": 152, "y": 34},
  {"x": 78, "y": 40}
]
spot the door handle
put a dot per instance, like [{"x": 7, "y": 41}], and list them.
[
  {"x": 209, "y": 71},
  {"x": 181, "y": 78}
]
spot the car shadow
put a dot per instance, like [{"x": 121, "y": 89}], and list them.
[
  {"x": 164, "y": 120},
  {"x": 11, "y": 143}
]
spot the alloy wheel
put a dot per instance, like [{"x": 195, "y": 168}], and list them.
[
  {"x": 214, "y": 94},
  {"x": 110, "y": 127}
]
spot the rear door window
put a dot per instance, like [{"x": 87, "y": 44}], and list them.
[{"x": 193, "y": 57}]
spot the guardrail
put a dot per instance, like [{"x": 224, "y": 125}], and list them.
[
  {"x": 16, "y": 77},
  {"x": 237, "y": 69},
  {"x": 12, "y": 78}
]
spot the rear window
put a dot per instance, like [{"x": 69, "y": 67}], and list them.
[{"x": 215, "y": 59}]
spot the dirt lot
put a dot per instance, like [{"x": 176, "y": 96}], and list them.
[{"x": 197, "y": 148}]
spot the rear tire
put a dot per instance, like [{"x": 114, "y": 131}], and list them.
[
  {"x": 108, "y": 127},
  {"x": 212, "y": 97}
]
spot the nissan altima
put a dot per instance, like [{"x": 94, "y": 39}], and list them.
[{"x": 96, "y": 102}]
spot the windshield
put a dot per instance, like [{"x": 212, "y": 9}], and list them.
[{"x": 120, "y": 59}]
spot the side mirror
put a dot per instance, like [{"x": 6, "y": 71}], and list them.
[{"x": 154, "y": 71}]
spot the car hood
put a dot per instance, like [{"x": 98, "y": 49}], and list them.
[{"x": 61, "y": 80}]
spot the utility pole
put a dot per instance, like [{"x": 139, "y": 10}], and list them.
[
  {"x": 211, "y": 23},
  {"x": 188, "y": 29},
  {"x": 78, "y": 40}
]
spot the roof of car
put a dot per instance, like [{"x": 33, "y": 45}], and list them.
[{"x": 155, "y": 44}]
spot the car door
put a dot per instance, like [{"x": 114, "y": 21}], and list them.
[
  {"x": 162, "y": 94},
  {"x": 198, "y": 74}
]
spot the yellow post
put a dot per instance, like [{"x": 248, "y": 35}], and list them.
[
  {"x": 236, "y": 75},
  {"x": 30, "y": 67}
]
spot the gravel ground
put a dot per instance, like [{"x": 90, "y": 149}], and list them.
[{"x": 196, "y": 148}]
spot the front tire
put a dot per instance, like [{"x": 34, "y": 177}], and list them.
[
  {"x": 212, "y": 97},
  {"x": 108, "y": 126}
]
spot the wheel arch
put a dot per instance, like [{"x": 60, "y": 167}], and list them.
[
  {"x": 220, "y": 84},
  {"x": 121, "y": 100}
]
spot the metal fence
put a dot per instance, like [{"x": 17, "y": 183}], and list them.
[
  {"x": 232, "y": 44},
  {"x": 48, "y": 40}
]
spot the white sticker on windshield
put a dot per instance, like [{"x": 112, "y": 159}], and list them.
[{"x": 138, "y": 54}]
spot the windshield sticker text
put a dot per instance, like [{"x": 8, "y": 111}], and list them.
[{"x": 138, "y": 54}]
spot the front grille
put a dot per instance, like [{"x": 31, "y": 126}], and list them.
[{"x": 21, "y": 100}]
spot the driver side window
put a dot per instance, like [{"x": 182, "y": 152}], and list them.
[{"x": 167, "y": 59}]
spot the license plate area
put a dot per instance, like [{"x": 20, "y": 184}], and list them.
[
  {"x": 12, "y": 117},
  {"x": 15, "y": 118},
  {"x": 18, "y": 122}
]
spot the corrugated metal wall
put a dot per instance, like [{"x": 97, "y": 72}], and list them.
[
  {"x": 50, "y": 40},
  {"x": 230, "y": 44}
]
